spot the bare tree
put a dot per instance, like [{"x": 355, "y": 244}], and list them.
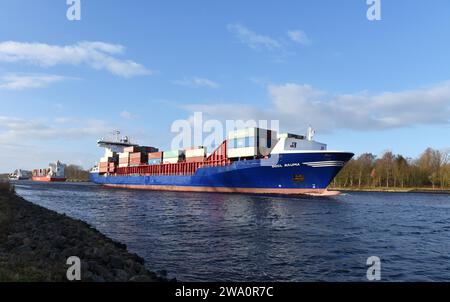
[{"x": 431, "y": 168}]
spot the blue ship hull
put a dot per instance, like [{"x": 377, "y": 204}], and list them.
[{"x": 290, "y": 173}]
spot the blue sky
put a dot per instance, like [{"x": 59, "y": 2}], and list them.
[{"x": 139, "y": 65}]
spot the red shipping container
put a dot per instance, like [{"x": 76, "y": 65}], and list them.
[
  {"x": 135, "y": 161},
  {"x": 139, "y": 156},
  {"x": 131, "y": 149},
  {"x": 147, "y": 149},
  {"x": 195, "y": 159},
  {"x": 155, "y": 155}
]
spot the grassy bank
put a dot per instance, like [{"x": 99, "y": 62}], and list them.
[
  {"x": 36, "y": 242},
  {"x": 393, "y": 190}
]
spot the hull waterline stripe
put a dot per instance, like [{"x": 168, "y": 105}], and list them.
[{"x": 221, "y": 189}]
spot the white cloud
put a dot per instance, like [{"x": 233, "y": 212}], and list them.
[
  {"x": 97, "y": 55},
  {"x": 252, "y": 39},
  {"x": 298, "y": 36},
  {"x": 297, "y": 105},
  {"x": 13, "y": 129},
  {"x": 33, "y": 143},
  {"x": 26, "y": 81},
  {"x": 197, "y": 82},
  {"x": 128, "y": 115}
]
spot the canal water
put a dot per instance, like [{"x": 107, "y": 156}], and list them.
[{"x": 220, "y": 237}]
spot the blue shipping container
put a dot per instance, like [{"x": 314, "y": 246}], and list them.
[{"x": 154, "y": 161}]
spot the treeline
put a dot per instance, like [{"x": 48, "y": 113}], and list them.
[
  {"x": 431, "y": 169},
  {"x": 76, "y": 173}
]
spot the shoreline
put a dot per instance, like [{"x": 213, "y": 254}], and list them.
[
  {"x": 394, "y": 190},
  {"x": 35, "y": 243}
]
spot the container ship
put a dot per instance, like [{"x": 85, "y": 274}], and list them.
[
  {"x": 20, "y": 174},
  {"x": 54, "y": 173},
  {"x": 251, "y": 160}
]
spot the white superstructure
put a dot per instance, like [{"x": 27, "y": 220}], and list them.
[
  {"x": 294, "y": 143},
  {"x": 20, "y": 174},
  {"x": 57, "y": 170},
  {"x": 115, "y": 145}
]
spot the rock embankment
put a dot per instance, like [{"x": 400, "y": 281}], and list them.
[{"x": 35, "y": 244}]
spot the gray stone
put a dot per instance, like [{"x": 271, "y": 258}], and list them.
[
  {"x": 23, "y": 249},
  {"x": 59, "y": 242},
  {"x": 100, "y": 270},
  {"x": 116, "y": 262},
  {"x": 71, "y": 251},
  {"x": 42, "y": 240},
  {"x": 120, "y": 275},
  {"x": 140, "y": 278},
  {"x": 26, "y": 241}
]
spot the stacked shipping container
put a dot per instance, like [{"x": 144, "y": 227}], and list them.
[
  {"x": 124, "y": 159},
  {"x": 40, "y": 172},
  {"x": 138, "y": 158},
  {"x": 112, "y": 167},
  {"x": 108, "y": 164},
  {"x": 251, "y": 142},
  {"x": 195, "y": 154},
  {"x": 245, "y": 143},
  {"x": 173, "y": 157},
  {"x": 155, "y": 158},
  {"x": 135, "y": 156}
]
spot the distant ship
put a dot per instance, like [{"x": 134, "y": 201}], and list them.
[
  {"x": 20, "y": 174},
  {"x": 252, "y": 160},
  {"x": 54, "y": 173}
]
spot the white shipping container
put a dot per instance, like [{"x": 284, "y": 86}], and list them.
[
  {"x": 124, "y": 155},
  {"x": 109, "y": 153},
  {"x": 251, "y": 132},
  {"x": 123, "y": 165},
  {"x": 170, "y": 160},
  {"x": 173, "y": 154},
  {"x": 247, "y": 132},
  {"x": 105, "y": 159},
  {"x": 242, "y": 152},
  {"x": 196, "y": 152}
]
